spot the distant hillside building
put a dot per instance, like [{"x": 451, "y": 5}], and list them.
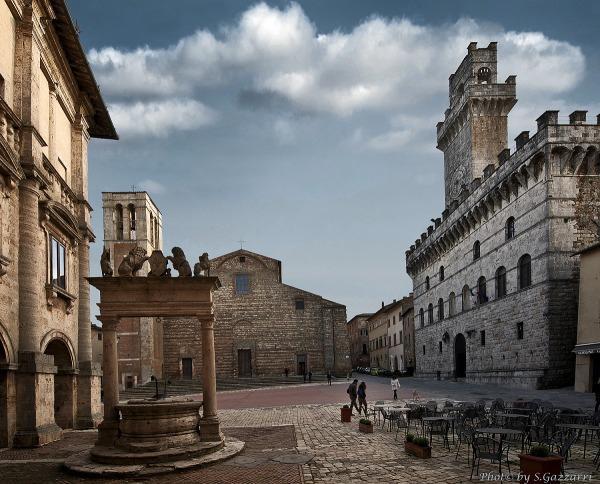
[
  {"x": 359, "y": 340},
  {"x": 495, "y": 286},
  {"x": 262, "y": 325}
]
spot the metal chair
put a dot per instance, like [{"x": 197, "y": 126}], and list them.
[
  {"x": 488, "y": 449},
  {"x": 401, "y": 422},
  {"x": 466, "y": 434},
  {"x": 376, "y": 411},
  {"x": 439, "y": 427}
]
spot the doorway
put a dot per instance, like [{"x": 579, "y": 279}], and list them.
[
  {"x": 301, "y": 364},
  {"x": 245, "y": 362},
  {"x": 186, "y": 368},
  {"x": 595, "y": 363},
  {"x": 460, "y": 356},
  {"x": 64, "y": 401}
]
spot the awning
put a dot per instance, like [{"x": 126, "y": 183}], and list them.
[{"x": 587, "y": 349}]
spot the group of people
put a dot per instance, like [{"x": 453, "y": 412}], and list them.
[
  {"x": 286, "y": 371},
  {"x": 358, "y": 392}
]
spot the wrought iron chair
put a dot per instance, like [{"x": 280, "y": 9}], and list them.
[
  {"x": 466, "y": 434},
  {"x": 488, "y": 449},
  {"x": 440, "y": 428}
]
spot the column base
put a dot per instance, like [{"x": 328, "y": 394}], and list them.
[
  {"x": 108, "y": 433},
  {"x": 210, "y": 429},
  {"x": 38, "y": 436},
  {"x": 89, "y": 407}
]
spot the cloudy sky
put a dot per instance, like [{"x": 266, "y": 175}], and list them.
[{"x": 308, "y": 129}]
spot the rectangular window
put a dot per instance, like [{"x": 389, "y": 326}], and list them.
[
  {"x": 520, "y": 330},
  {"x": 440, "y": 344},
  {"x": 58, "y": 263},
  {"x": 242, "y": 284},
  {"x": 482, "y": 333},
  {"x": 299, "y": 304}
]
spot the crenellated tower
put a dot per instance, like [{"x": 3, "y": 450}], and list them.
[{"x": 475, "y": 128}]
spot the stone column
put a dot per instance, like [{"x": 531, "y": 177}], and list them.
[
  {"x": 32, "y": 270},
  {"x": 88, "y": 385},
  {"x": 209, "y": 423},
  {"x": 108, "y": 430}
]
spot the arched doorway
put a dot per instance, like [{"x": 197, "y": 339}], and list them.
[
  {"x": 460, "y": 356},
  {"x": 64, "y": 388}
]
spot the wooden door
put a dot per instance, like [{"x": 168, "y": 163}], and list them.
[{"x": 244, "y": 362}]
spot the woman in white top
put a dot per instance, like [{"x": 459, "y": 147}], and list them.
[{"x": 395, "y": 386}]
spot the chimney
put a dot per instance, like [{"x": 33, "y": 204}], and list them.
[
  {"x": 548, "y": 118},
  {"x": 522, "y": 139},
  {"x": 382, "y": 305},
  {"x": 503, "y": 156},
  {"x": 577, "y": 117}
]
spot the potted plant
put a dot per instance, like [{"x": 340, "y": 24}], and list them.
[
  {"x": 538, "y": 464},
  {"x": 346, "y": 413},
  {"x": 417, "y": 446},
  {"x": 365, "y": 425}
]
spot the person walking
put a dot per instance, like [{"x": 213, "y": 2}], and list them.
[
  {"x": 352, "y": 393},
  {"x": 395, "y": 386},
  {"x": 309, "y": 376},
  {"x": 362, "y": 397},
  {"x": 329, "y": 377}
]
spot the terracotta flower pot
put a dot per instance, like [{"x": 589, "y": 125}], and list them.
[
  {"x": 346, "y": 414},
  {"x": 538, "y": 468},
  {"x": 417, "y": 450},
  {"x": 367, "y": 429}
]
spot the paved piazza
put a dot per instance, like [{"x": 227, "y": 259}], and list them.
[{"x": 300, "y": 439}]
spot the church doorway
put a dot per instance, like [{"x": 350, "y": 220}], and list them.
[
  {"x": 64, "y": 401},
  {"x": 301, "y": 364},
  {"x": 460, "y": 356},
  {"x": 186, "y": 368},
  {"x": 245, "y": 362}
]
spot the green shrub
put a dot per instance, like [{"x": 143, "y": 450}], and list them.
[
  {"x": 539, "y": 451},
  {"x": 365, "y": 421},
  {"x": 410, "y": 437},
  {"x": 421, "y": 441}
]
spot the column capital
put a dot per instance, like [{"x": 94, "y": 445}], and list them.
[
  {"x": 207, "y": 322},
  {"x": 109, "y": 323}
]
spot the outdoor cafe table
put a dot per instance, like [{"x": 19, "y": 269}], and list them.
[
  {"x": 502, "y": 433},
  {"x": 581, "y": 428}
]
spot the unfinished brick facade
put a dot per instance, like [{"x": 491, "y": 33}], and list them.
[
  {"x": 495, "y": 283},
  {"x": 50, "y": 106},
  {"x": 262, "y": 325},
  {"x": 359, "y": 340}
]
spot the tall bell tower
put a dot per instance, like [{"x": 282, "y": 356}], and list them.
[{"x": 475, "y": 128}]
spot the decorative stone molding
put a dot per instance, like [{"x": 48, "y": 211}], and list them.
[
  {"x": 54, "y": 293},
  {"x": 4, "y": 262},
  {"x": 62, "y": 218}
]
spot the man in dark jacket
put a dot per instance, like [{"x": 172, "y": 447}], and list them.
[{"x": 352, "y": 394}]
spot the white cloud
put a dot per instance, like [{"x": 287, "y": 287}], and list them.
[
  {"x": 381, "y": 64},
  {"x": 152, "y": 186},
  {"x": 159, "y": 118}
]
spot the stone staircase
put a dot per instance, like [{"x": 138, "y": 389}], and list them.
[{"x": 188, "y": 387}]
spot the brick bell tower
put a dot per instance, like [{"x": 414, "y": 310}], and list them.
[
  {"x": 475, "y": 128},
  {"x": 132, "y": 219}
]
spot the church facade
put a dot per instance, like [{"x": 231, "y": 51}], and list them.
[
  {"x": 494, "y": 278},
  {"x": 262, "y": 325}
]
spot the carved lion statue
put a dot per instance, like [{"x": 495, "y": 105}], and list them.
[
  {"x": 105, "y": 264},
  {"x": 180, "y": 263},
  {"x": 202, "y": 268}
]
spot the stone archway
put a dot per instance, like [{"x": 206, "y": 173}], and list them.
[
  {"x": 460, "y": 356},
  {"x": 64, "y": 383}
]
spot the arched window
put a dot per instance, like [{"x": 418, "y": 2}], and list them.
[
  {"x": 442, "y": 273},
  {"x": 476, "y": 250},
  {"x": 466, "y": 298},
  {"x": 430, "y": 314},
  {"x": 452, "y": 304},
  {"x": 500, "y": 282},
  {"x": 524, "y": 271},
  {"x": 481, "y": 290},
  {"x": 119, "y": 221},
  {"x": 427, "y": 283},
  {"x": 422, "y": 317},
  {"x": 509, "y": 229},
  {"x": 132, "y": 221},
  {"x": 440, "y": 309},
  {"x": 484, "y": 75}
]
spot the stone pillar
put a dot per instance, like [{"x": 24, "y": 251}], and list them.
[
  {"x": 88, "y": 385},
  {"x": 32, "y": 270},
  {"x": 108, "y": 430},
  {"x": 209, "y": 423}
]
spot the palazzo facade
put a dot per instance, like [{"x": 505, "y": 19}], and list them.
[
  {"x": 495, "y": 280},
  {"x": 50, "y": 106}
]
